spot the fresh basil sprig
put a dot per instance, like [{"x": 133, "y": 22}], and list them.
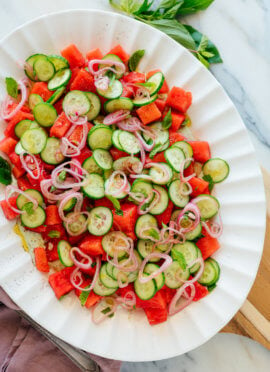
[
  {"x": 12, "y": 87},
  {"x": 135, "y": 59},
  {"x": 164, "y": 17},
  {"x": 5, "y": 172}
]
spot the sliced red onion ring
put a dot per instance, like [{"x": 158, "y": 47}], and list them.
[
  {"x": 4, "y": 107},
  {"x": 118, "y": 178},
  {"x": 35, "y": 161},
  {"x": 77, "y": 120},
  {"x": 68, "y": 148},
  {"x": 215, "y": 229},
  {"x": 10, "y": 189},
  {"x": 80, "y": 264},
  {"x": 108, "y": 62},
  {"x": 128, "y": 301},
  {"x": 163, "y": 267},
  {"x": 98, "y": 315},
  {"x": 102, "y": 82},
  {"x": 45, "y": 185},
  {"x": 116, "y": 117},
  {"x": 76, "y": 274},
  {"x": 190, "y": 207},
  {"x": 131, "y": 124},
  {"x": 181, "y": 171},
  {"x": 178, "y": 303},
  {"x": 143, "y": 143}
]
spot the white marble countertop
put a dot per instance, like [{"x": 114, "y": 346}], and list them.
[{"x": 240, "y": 28}]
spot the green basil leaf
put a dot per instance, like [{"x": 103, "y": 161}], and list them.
[
  {"x": 153, "y": 233},
  {"x": 135, "y": 58},
  {"x": 175, "y": 30},
  {"x": 210, "y": 48},
  {"x": 179, "y": 257},
  {"x": 167, "y": 121},
  {"x": 148, "y": 84},
  {"x": 119, "y": 212},
  {"x": 28, "y": 208},
  {"x": 106, "y": 310},
  {"x": 172, "y": 12},
  {"x": 12, "y": 87},
  {"x": 83, "y": 297},
  {"x": 186, "y": 122},
  {"x": 203, "y": 60},
  {"x": 209, "y": 179},
  {"x": 159, "y": 148},
  {"x": 193, "y": 6},
  {"x": 62, "y": 176},
  {"x": 5, "y": 176},
  {"x": 54, "y": 234},
  {"x": 166, "y": 4},
  {"x": 115, "y": 201},
  {"x": 4, "y": 164}
]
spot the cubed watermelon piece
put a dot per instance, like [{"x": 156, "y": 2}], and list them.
[
  {"x": 179, "y": 99},
  {"x": 73, "y": 55}
]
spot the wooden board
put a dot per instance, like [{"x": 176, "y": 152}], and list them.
[{"x": 253, "y": 319}]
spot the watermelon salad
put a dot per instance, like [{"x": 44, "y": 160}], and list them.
[{"x": 109, "y": 189}]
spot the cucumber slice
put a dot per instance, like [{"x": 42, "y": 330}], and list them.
[
  {"x": 95, "y": 106},
  {"x": 210, "y": 273},
  {"x": 217, "y": 168},
  {"x": 174, "y": 156},
  {"x": 100, "y": 137},
  {"x": 187, "y": 150},
  {"x": 159, "y": 176},
  {"x": 145, "y": 221},
  {"x": 162, "y": 205},
  {"x": 208, "y": 206},
  {"x": 34, "y": 140},
  {"x": 115, "y": 139},
  {"x": 63, "y": 249},
  {"x": 23, "y": 126},
  {"x": 113, "y": 57},
  {"x": 103, "y": 159},
  {"x": 160, "y": 279},
  {"x": 94, "y": 187},
  {"x": 76, "y": 103},
  {"x": 45, "y": 114},
  {"x": 111, "y": 243},
  {"x": 19, "y": 149},
  {"x": 91, "y": 166},
  {"x": 33, "y": 100},
  {"x": 145, "y": 247},
  {"x": 144, "y": 101},
  {"x": 127, "y": 164},
  {"x": 76, "y": 225},
  {"x": 175, "y": 195},
  {"x": 101, "y": 290},
  {"x": 191, "y": 252},
  {"x": 52, "y": 154},
  {"x": 109, "y": 270},
  {"x": 44, "y": 69},
  {"x": 175, "y": 275},
  {"x": 56, "y": 95},
  {"x": 105, "y": 279},
  {"x": 60, "y": 79},
  {"x": 129, "y": 142},
  {"x": 145, "y": 291},
  {"x": 35, "y": 219},
  {"x": 114, "y": 90},
  {"x": 161, "y": 134},
  {"x": 141, "y": 187},
  {"x": 194, "y": 234},
  {"x": 69, "y": 205},
  {"x": 121, "y": 103},
  {"x": 113, "y": 188},
  {"x": 59, "y": 62},
  {"x": 124, "y": 276},
  {"x": 29, "y": 69},
  {"x": 100, "y": 221},
  {"x": 22, "y": 200},
  {"x": 157, "y": 81}
]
